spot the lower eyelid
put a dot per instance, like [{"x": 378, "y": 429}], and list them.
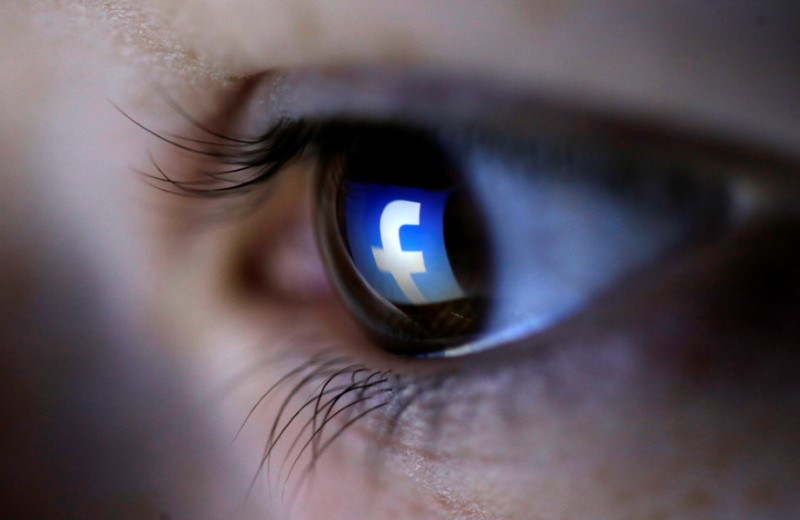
[
  {"x": 605, "y": 350},
  {"x": 472, "y": 378}
]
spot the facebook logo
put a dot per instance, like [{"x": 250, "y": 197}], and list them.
[{"x": 396, "y": 236}]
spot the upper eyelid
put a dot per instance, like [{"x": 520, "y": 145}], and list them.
[
  {"x": 272, "y": 102},
  {"x": 429, "y": 97},
  {"x": 756, "y": 175}
]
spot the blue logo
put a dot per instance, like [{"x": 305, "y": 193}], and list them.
[{"x": 396, "y": 238}]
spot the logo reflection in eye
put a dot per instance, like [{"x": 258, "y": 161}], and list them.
[{"x": 397, "y": 241}]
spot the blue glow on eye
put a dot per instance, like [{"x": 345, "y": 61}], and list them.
[{"x": 396, "y": 236}]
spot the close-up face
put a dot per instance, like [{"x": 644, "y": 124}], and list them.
[{"x": 349, "y": 259}]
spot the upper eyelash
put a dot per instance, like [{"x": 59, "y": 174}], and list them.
[{"x": 235, "y": 164}]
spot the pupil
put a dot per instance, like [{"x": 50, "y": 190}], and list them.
[{"x": 410, "y": 237}]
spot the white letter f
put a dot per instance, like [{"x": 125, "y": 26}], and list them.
[{"x": 391, "y": 258}]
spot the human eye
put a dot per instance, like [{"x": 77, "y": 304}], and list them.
[
  {"x": 449, "y": 235},
  {"x": 559, "y": 229},
  {"x": 507, "y": 235}
]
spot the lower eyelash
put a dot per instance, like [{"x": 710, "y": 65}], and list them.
[
  {"x": 327, "y": 396},
  {"x": 323, "y": 398}
]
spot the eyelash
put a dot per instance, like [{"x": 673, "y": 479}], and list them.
[
  {"x": 332, "y": 392},
  {"x": 238, "y": 164},
  {"x": 324, "y": 371}
]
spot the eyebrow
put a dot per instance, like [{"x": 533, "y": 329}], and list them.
[
  {"x": 242, "y": 37},
  {"x": 150, "y": 36}
]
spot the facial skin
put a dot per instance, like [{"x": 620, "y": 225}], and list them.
[{"x": 138, "y": 332}]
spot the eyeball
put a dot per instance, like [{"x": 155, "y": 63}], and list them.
[
  {"x": 447, "y": 242},
  {"x": 403, "y": 237}
]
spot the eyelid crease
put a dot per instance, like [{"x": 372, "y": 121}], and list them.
[{"x": 430, "y": 98}]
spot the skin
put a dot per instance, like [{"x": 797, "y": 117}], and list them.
[{"x": 136, "y": 341}]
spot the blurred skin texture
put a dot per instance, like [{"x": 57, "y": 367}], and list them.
[{"x": 138, "y": 330}]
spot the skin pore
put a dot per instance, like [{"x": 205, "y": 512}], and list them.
[{"x": 140, "y": 328}]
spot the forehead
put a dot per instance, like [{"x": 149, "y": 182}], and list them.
[{"x": 729, "y": 65}]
